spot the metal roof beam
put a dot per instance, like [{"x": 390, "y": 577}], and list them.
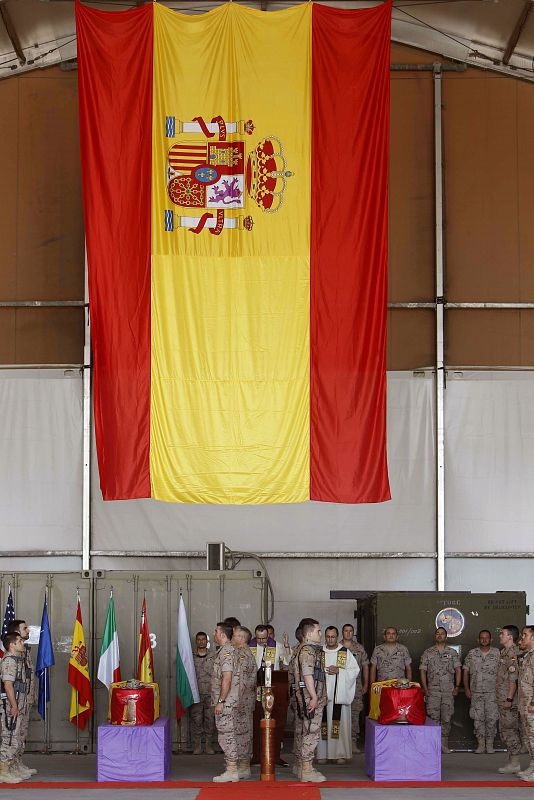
[
  {"x": 11, "y": 32},
  {"x": 516, "y": 33}
]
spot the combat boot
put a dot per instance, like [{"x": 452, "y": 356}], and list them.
[
  {"x": 481, "y": 746},
  {"x": 7, "y": 775},
  {"x": 197, "y": 747},
  {"x": 230, "y": 775},
  {"x": 18, "y": 770},
  {"x": 296, "y": 769},
  {"x": 309, "y": 774},
  {"x": 355, "y": 748},
  {"x": 489, "y": 746},
  {"x": 27, "y": 771},
  {"x": 243, "y": 769},
  {"x": 513, "y": 766},
  {"x": 528, "y": 771},
  {"x": 208, "y": 748},
  {"x": 445, "y": 746}
]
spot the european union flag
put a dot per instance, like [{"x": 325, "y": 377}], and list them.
[{"x": 45, "y": 659}]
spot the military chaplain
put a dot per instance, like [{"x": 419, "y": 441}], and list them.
[{"x": 341, "y": 670}]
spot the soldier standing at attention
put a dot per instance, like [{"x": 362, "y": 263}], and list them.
[
  {"x": 441, "y": 673},
  {"x": 14, "y": 708},
  {"x": 246, "y": 670},
  {"x": 480, "y": 677},
  {"x": 224, "y": 697},
  {"x": 526, "y": 697},
  {"x": 19, "y": 626},
  {"x": 201, "y": 714},
  {"x": 309, "y": 682},
  {"x": 506, "y": 693},
  {"x": 391, "y": 659},
  {"x": 362, "y": 681}
]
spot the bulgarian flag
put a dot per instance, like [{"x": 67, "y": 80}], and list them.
[
  {"x": 81, "y": 696},
  {"x": 235, "y": 168},
  {"x": 109, "y": 666},
  {"x": 145, "y": 659},
  {"x": 186, "y": 679}
]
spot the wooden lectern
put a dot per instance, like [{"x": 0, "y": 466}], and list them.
[{"x": 279, "y": 686}]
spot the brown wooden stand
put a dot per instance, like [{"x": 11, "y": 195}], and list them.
[
  {"x": 268, "y": 755},
  {"x": 279, "y": 713}
]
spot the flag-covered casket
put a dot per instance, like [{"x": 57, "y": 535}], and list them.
[
  {"x": 133, "y": 703},
  {"x": 397, "y": 700}
]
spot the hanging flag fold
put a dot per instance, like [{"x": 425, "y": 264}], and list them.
[
  {"x": 9, "y": 616},
  {"x": 45, "y": 660},
  {"x": 81, "y": 698},
  {"x": 109, "y": 665},
  {"x": 145, "y": 659},
  {"x": 186, "y": 679},
  {"x": 235, "y": 194}
]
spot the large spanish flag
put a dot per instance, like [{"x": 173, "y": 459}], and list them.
[{"x": 235, "y": 191}]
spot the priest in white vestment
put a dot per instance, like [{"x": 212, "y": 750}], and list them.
[{"x": 341, "y": 670}]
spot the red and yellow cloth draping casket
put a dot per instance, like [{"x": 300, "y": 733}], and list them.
[
  {"x": 133, "y": 706},
  {"x": 376, "y": 708},
  {"x": 402, "y": 704}
]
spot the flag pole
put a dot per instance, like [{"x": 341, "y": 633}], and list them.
[{"x": 45, "y": 710}]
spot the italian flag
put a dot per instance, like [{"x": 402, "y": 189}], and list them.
[
  {"x": 186, "y": 679},
  {"x": 109, "y": 666}
]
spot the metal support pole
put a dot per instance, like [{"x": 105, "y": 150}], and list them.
[
  {"x": 86, "y": 496},
  {"x": 440, "y": 356}
]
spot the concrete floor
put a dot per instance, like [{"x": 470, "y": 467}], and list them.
[{"x": 456, "y": 767}]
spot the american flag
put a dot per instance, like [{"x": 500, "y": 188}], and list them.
[{"x": 9, "y": 616}]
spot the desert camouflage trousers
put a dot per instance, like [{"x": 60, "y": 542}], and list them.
[
  {"x": 202, "y": 719},
  {"x": 355, "y": 711},
  {"x": 244, "y": 732},
  {"x": 440, "y": 708},
  {"x": 509, "y": 729},
  {"x": 307, "y": 733},
  {"x": 225, "y": 724},
  {"x": 12, "y": 741},
  {"x": 485, "y": 714},
  {"x": 527, "y": 721}
]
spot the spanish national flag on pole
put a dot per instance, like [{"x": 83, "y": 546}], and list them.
[
  {"x": 81, "y": 697},
  {"x": 145, "y": 658},
  {"x": 235, "y": 190}
]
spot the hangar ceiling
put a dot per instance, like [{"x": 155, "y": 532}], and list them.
[{"x": 491, "y": 34}]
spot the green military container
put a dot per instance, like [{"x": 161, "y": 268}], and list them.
[{"x": 416, "y": 616}]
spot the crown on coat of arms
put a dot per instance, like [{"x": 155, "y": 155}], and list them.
[{"x": 266, "y": 174}]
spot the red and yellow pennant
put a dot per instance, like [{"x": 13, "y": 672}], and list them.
[
  {"x": 81, "y": 697},
  {"x": 235, "y": 191},
  {"x": 145, "y": 657}
]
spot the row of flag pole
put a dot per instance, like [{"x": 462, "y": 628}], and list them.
[{"x": 109, "y": 668}]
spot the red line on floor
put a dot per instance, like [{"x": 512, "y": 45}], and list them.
[
  {"x": 260, "y": 789},
  {"x": 263, "y": 791}
]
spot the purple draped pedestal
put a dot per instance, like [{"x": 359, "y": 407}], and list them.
[
  {"x": 141, "y": 753},
  {"x": 403, "y": 752}
]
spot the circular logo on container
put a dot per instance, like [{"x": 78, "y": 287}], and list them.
[{"x": 452, "y": 620}]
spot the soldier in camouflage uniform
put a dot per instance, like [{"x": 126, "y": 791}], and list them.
[
  {"x": 201, "y": 714},
  {"x": 480, "y": 676},
  {"x": 362, "y": 681},
  {"x": 506, "y": 694},
  {"x": 224, "y": 697},
  {"x": 247, "y": 671},
  {"x": 19, "y": 626},
  {"x": 308, "y": 683},
  {"x": 526, "y": 697},
  {"x": 441, "y": 673},
  {"x": 391, "y": 659},
  {"x": 14, "y": 708}
]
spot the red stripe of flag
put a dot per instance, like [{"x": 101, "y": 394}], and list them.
[
  {"x": 350, "y": 139},
  {"x": 115, "y": 106}
]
